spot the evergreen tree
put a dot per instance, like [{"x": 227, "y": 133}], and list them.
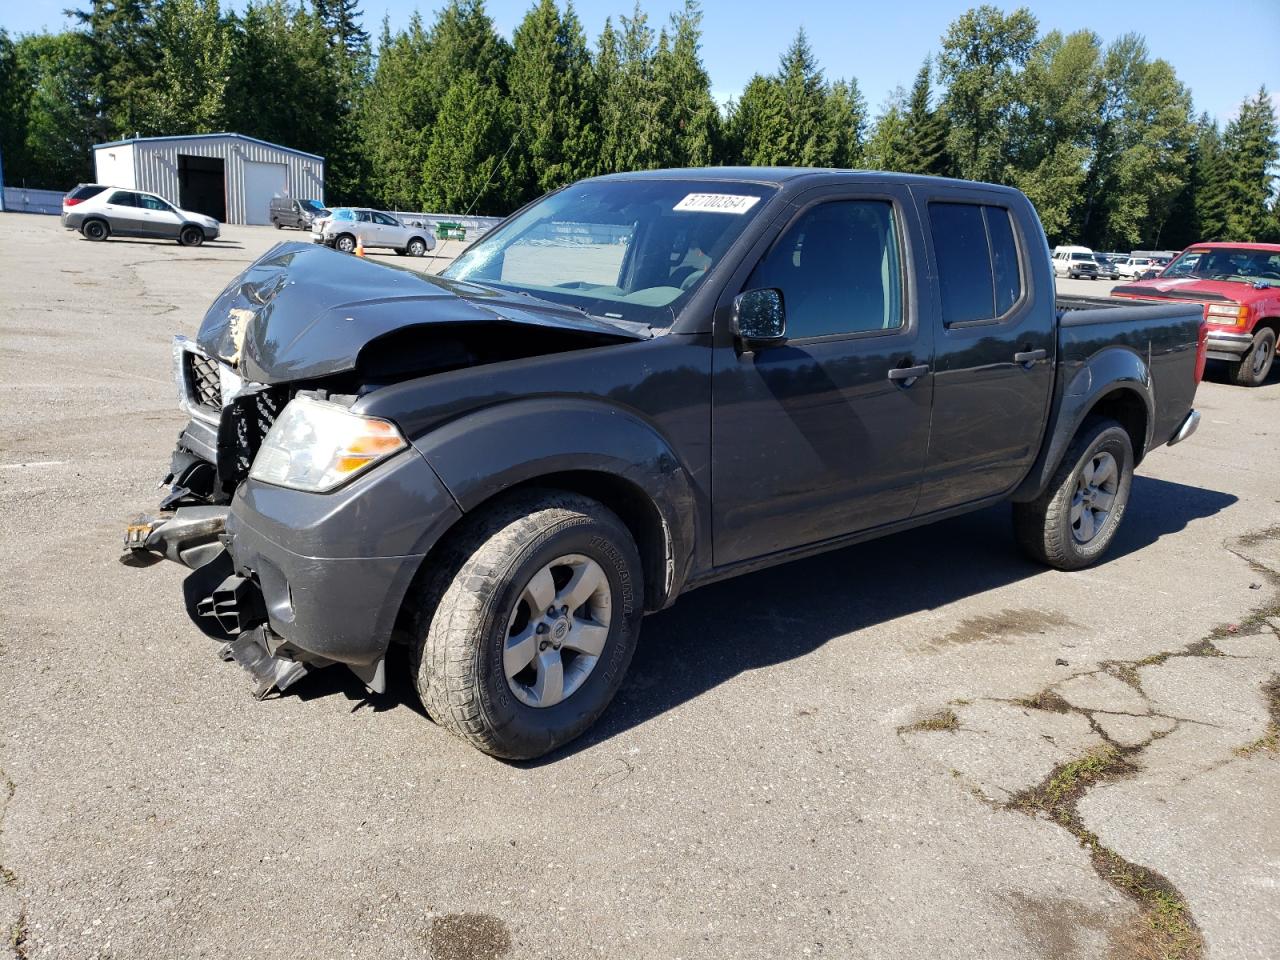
[
  {"x": 926, "y": 131},
  {"x": 683, "y": 91},
  {"x": 396, "y": 116},
  {"x": 551, "y": 95},
  {"x": 124, "y": 56},
  {"x": 1209, "y": 181},
  {"x": 1250, "y": 155},
  {"x": 801, "y": 138},
  {"x": 633, "y": 133},
  {"x": 468, "y": 167},
  {"x": 341, "y": 19},
  {"x": 753, "y": 121},
  {"x": 887, "y": 145},
  {"x": 844, "y": 122}
]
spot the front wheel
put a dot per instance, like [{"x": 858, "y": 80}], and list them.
[
  {"x": 191, "y": 237},
  {"x": 1072, "y": 523},
  {"x": 523, "y": 639},
  {"x": 417, "y": 248},
  {"x": 1252, "y": 369}
]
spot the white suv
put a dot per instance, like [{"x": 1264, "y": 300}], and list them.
[
  {"x": 121, "y": 212},
  {"x": 346, "y": 226}
]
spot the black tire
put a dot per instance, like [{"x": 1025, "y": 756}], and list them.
[
  {"x": 277, "y": 224},
  {"x": 95, "y": 230},
  {"x": 1044, "y": 527},
  {"x": 417, "y": 247},
  {"x": 463, "y": 608},
  {"x": 191, "y": 237},
  {"x": 399, "y": 251},
  {"x": 344, "y": 243},
  {"x": 1254, "y": 367}
]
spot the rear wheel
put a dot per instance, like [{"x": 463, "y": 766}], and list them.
[
  {"x": 1073, "y": 522},
  {"x": 523, "y": 637},
  {"x": 1252, "y": 369},
  {"x": 345, "y": 243},
  {"x": 191, "y": 237},
  {"x": 95, "y": 230}
]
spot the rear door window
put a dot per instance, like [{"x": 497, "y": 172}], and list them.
[
  {"x": 123, "y": 198},
  {"x": 979, "y": 272}
]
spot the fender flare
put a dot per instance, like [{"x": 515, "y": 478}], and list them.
[
  {"x": 488, "y": 451},
  {"x": 1087, "y": 382}
]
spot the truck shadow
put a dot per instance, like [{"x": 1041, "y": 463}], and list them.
[
  {"x": 766, "y": 618},
  {"x": 761, "y": 619}
]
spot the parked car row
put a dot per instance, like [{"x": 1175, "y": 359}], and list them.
[
  {"x": 1080, "y": 262},
  {"x": 99, "y": 212}
]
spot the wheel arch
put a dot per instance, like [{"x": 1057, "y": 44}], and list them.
[
  {"x": 96, "y": 218},
  {"x": 596, "y": 450},
  {"x": 1115, "y": 383}
]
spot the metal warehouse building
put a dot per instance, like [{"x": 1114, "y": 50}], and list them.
[{"x": 224, "y": 175}]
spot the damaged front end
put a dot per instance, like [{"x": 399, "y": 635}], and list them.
[
  {"x": 226, "y": 606},
  {"x": 289, "y": 581}
]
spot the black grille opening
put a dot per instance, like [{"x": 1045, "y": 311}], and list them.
[{"x": 203, "y": 382}]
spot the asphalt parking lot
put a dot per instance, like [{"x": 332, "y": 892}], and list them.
[{"x": 923, "y": 746}]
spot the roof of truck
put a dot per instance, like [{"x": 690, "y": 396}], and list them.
[{"x": 780, "y": 175}]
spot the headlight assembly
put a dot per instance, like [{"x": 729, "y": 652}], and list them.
[{"x": 316, "y": 446}]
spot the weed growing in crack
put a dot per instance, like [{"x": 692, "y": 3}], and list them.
[
  {"x": 19, "y": 936},
  {"x": 1269, "y": 741},
  {"x": 1166, "y": 930},
  {"x": 1044, "y": 700},
  {"x": 944, "y": 719}
]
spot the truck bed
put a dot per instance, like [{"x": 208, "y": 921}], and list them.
[{"x": 1164, "y": 335}]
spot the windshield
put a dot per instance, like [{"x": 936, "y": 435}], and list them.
[
  {"x": 1235, "y": 264},
  {"x": 624, "y": 249}
]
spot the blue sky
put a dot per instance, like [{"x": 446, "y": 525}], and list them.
[{"x": 1222, "y": 49}]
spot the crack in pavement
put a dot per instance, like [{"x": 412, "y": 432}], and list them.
[
  {"x": 17, "y": 932},
  {"x": 1164, "y": 926}
]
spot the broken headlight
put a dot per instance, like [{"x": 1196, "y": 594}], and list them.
[{"x": 316, "y": 446}]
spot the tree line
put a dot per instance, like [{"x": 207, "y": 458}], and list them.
[{"x": 450, "y": 115}]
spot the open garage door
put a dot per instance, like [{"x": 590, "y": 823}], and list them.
[
  {"x": 202, "y": 185},
  {"x": 262, "y": 181}
]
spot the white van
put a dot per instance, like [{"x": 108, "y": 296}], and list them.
[{"x": 1074, "y": 262}]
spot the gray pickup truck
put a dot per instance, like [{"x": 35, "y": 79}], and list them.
[{"x": 637, "y": 385}]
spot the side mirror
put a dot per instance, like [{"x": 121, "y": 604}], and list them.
[{"x": 759, "y": 319}]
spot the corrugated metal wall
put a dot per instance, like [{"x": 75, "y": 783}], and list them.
[{"x": 156, "y": 166}]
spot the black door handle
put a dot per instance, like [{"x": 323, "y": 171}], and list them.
[
  {"x": 1028, "y": 357},
  {"x": 908, "y": 375}
]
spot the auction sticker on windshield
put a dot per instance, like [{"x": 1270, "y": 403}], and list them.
[{"x": 717, "y": 202}]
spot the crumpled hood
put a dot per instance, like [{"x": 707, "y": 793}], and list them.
[{"x": 303, "y": 311}]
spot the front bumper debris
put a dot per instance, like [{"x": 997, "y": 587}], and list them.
[
  {"x": 270, "y": 672},
  {"x": 189, "y": 537}
]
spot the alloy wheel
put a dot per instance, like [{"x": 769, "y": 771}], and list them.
[
  {"x": 557, "y": 631},
  {"x": 1095, "y": 496}
]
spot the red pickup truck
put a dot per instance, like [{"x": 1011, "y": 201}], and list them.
[{"x": 1239, "y": 285}]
